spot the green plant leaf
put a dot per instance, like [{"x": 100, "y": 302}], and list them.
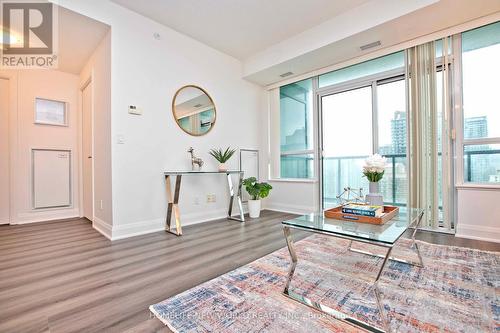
[
  {"x": 256, "y": 190},
  {"x": 222, "y": 156}
]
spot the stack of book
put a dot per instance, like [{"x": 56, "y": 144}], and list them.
[{"x": 363, "y": 210}]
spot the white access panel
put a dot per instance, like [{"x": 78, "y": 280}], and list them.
[
  {"x": 51, "y": 184},
  {"x": 249, "y": 164}
]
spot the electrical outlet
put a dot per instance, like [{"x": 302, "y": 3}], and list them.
[
  {"x": 101, "y": 205},
  {"x": 211, "y": 198},
  {"x": 196, "y": 201}
]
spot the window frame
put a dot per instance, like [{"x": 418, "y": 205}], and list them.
[
  {"x": 367, "y": 81},
  {"x": 458, "y": 133},
  {"x": 311, "y": 151}
]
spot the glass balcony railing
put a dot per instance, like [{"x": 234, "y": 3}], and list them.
[
  {"x": 340, "y": 172},
  {"x": 482, "y": 165}
]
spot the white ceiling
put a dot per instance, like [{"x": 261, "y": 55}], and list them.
[
  {"x": 272, "y": 37},
  {"x": 79, "y": 36},
  {"x": 240, "y": 28},
  {"x": 437, "y": 17}
]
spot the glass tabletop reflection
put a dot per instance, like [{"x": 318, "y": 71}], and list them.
[{"x": 387, "y": 233}]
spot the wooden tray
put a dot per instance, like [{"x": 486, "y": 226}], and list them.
[{"x": 336, "y": 213}]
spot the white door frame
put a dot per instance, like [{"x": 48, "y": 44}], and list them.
[
  {"x": 9, "y": 149},
  {"x": 11, "y": 76},
  {"x": 84, "y": 85}
]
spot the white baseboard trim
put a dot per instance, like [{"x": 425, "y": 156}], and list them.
[
  {"x": 4, "y": 221},
  {"x": 149, "y": 226},
  {"x": 136, "y": 229},
  {"x": 489, "y": 234},
  {"x": 292, "y": 209},
  {"x": 46, "y": 215},
  {"x": 102, "y": 227}
]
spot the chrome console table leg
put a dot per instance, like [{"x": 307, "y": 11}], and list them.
[
  {"x": 173, "y": 205},
  {"x": 238, "y": 197}
]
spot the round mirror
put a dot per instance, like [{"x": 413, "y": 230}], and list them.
[{"x": 194, "y": 110}]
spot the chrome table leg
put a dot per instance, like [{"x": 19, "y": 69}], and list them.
[
  {"x": 414, "y": 243},
  {"x": 377, "y": 291},
  {"x": 293, "y": 256},
  {"x": 315, "y": 305},
  {"x": 238, "y": 198},
  {"x": 173, "y": 205}
]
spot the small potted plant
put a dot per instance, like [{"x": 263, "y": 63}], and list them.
[
  {"x": 374, "y": 170},
  {"x": 257, "y": 192},
  {"x": 222, "y": 157}
]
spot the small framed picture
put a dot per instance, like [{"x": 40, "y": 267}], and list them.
[{"x": 50, "y": 112}]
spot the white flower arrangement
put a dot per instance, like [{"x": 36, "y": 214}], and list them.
[{"x": 374, "y": 167}]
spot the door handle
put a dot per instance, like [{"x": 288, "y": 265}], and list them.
[{"x": 89, "y": 156}]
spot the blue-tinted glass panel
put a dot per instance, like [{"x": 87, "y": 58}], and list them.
[
  {"x": 296, "y": 124},
  {"x": 378, "y": 65},
  {"x": 297, "y": 166}
]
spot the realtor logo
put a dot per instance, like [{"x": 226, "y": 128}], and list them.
[{"x": 28, "y": 34}]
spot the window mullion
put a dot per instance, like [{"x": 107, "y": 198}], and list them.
[{"x": 374, "y": 118}]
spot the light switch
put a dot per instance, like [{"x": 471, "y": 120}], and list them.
[
  {"x": 132, "y": 109},
  {"x": 120, "y": 139}
]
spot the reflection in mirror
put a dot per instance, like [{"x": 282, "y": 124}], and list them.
[{"x": 194, "y": 110}]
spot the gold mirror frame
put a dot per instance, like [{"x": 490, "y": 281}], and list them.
[{"x": 209, "y": 97}]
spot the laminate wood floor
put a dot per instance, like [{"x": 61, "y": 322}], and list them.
[{"x": 66, "y": 277}]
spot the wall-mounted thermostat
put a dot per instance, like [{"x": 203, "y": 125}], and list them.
[{"x": 132, "y": 109}]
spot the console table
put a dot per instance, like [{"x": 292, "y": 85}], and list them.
[{"x": 173, "y": 200}]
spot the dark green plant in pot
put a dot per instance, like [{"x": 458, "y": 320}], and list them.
[{"x": 255, "y": 189}]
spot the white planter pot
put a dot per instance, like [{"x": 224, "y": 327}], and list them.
[
  {"x": 222, "y": 167},
  {"x": 254, "y": 208},
  {"x": 374, "y": 198}
]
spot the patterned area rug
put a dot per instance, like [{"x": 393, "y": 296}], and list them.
[{"x": 457, "y": 291}]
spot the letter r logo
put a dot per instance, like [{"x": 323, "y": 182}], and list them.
[{"x": 31, "y": 24}]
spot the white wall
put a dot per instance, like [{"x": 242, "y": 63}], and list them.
[
  {"x": 478, "y": 213},
  {"x": 48, "y": 84},
  {"x": 98, "y": 70},
  {"x": 146, "y": 72}
]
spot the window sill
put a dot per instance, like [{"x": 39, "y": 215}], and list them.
[
  {"x": 293, "y": 180},
  {"x": 476, "y": 186}
]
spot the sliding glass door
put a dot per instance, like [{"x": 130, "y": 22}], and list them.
[
  {"x": 368, "y": 117},
  {"x": 357, "y": 123},
  {"x": 347, "y": 140}
]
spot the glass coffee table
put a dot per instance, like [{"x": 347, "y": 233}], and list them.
[{"x": 384, "y": 236}]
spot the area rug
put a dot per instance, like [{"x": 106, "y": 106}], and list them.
[{"x": 457, "y": 290}]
